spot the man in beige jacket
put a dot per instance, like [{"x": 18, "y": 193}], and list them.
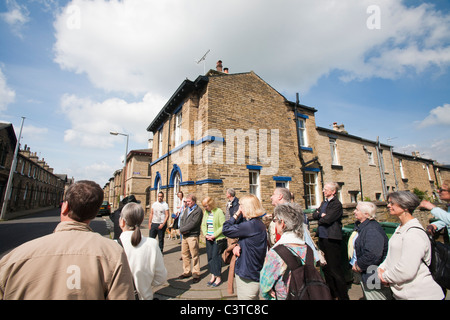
[{"x": 73, "y": 262}]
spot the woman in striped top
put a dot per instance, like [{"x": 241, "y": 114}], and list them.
[{"x": 213, "y": 219}]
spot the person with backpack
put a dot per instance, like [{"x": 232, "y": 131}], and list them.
[
  {"x": 440, "y": 265},
  {"x": 276, "y": 275},
  {"x": 405, "y": 268}
]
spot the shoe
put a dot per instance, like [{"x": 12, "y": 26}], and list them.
[
  {"x": 209, "y": 283},
  {"x": 184, "y": 276},
  {"x": 216, "y": 284},
  {"x": 196, "y": 280}
]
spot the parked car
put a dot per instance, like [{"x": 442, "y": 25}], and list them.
[{"x": 105, "y": 209}]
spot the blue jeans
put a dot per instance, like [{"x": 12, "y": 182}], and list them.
[
  {"x": 160, "y": 232},
  {"x": 214, "y": 258}
]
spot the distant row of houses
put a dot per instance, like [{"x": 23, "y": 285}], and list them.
[
  {"x": 34, "y": 184},
  {"x": 137, "y": 179},
  {"x": 226, "y": 130}
]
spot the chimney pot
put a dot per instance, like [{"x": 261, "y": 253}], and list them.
[
  {"x": 339, "y": 127},
  {"x": 219, "y": 66}
]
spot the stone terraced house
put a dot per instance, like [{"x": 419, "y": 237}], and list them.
[{"x": 225, "y": 131}]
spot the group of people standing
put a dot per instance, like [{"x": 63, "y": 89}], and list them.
[
  {"x": 397, "y": 268},
  {"x": 244, "y": 229},
  {"x": 389, "y": 269},
  {"x": 240, "y": 226},
  {"x": 76, "y": 263}
]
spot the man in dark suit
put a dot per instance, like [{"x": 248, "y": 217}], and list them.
[
  {"x": 329, "y": 231},
  {"x": 190, "y": 229}
]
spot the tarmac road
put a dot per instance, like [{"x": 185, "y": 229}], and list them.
[{"x": 17, "y": 231}]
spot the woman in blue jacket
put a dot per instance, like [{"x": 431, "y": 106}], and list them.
[{"x": 252, "y": 246}]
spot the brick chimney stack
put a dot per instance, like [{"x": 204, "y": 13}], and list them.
[
  {"x": 219, "y": 66},
  {"x": 339, "y": 127}
]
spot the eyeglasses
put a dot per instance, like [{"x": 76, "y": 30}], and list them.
[
  {"x": 442, "y": 190},
  {"x": 276, "y": 219}
]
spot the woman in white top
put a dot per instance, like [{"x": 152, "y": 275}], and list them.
[
  {"x": 404, "y": 269},
  {"x": 143, "y": 253}
]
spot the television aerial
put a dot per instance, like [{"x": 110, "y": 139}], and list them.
[{"x": 203, "y": 59}]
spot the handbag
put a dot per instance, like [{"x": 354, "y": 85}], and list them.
[
  {"x": 322, "y": 260},
  {"x": 227, "y": 255},
  {"x": 222, "y": 245}
]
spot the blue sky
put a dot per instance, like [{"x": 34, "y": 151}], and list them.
[{"x": 79, "y": 69}]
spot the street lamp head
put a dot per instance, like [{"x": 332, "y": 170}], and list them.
[{"x": 115, "y": 133}]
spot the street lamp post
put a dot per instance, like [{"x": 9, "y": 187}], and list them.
[
  {"x": 11, "y": 174},
  {"x": 125, "y": 159}
]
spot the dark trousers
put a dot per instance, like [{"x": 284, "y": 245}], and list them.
[
  {"x": 334, "y": 275},
  {"x": 214, "y": 258},
  {"x": 160, "y": 232}
]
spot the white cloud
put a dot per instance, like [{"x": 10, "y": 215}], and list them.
[
  {"x": 7, "y": 95},
  {"x": 440, "y": 149},
  {"x": 408, "y": 149},
  {"x": 34, "y": 132},
  {"x": 16, "y": 16},
  {"x": 98, "y": 171},
  {"x": 437, "y": 116},
  {"x": 136, "y": 46},
  {"x": 436, "y": 149},
  {"x": 92, "y": 121},
  {"x": 410, "y": 40}
]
